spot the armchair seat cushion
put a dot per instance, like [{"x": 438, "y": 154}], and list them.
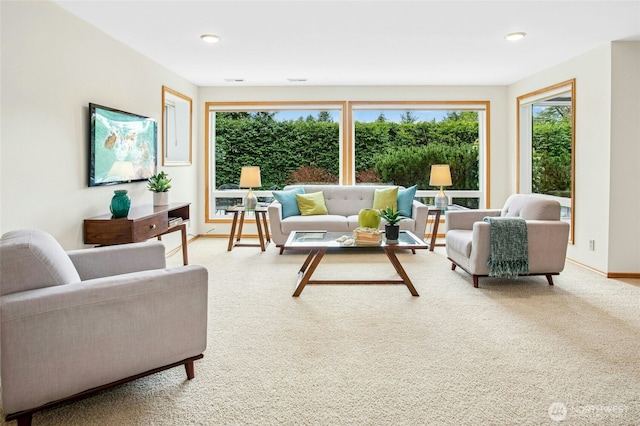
[{"x": 459, "y": 240}]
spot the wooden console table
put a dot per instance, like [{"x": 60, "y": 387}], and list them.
[{"x": 141, "y": 223}]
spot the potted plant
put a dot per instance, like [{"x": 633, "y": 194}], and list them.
[
  {"x": 391, "y": 228},
  {"x": 159, "y": 184}
]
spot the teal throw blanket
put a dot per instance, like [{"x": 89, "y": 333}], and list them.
[{"x": 509, "y": 256}]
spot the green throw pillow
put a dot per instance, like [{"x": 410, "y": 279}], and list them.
[
  {"x": 405, "y": 200},
  {"x": 312, "y": 204},
  {"x": 387, "y": 197},
  {"x": 288, "y": 201}
]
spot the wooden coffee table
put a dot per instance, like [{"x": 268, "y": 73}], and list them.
[{"x": 318, "y": 243}]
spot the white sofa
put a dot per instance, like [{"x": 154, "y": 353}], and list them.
[{"x": 343, "y": 204}]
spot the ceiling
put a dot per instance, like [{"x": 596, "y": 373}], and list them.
[{"x": 359, "y": 42}]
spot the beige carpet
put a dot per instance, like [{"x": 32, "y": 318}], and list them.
[{"x": 508, "y": 353}]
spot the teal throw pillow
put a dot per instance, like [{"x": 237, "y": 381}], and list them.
[
  {"x": 288, "y": 201},
  {"x": 405, "y": 200}
]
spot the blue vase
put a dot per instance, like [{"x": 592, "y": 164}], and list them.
[{"x": 120, "y": 204}]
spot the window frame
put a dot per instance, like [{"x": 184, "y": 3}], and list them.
[{"x": 524, "y": 124}]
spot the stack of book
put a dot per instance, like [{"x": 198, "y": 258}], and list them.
[{"x": 367, "y": 236}]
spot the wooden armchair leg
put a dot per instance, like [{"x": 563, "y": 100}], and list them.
[
  {"x": 190, "y": 369},
  {"x": 549, "y": 279},
  {"x": 453, "y": 266},
  {"x": 25, "y": 420},
  {"x": 475, "y": 281}
]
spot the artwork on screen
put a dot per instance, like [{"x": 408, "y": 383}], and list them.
[{"x": 123, "y": 146}]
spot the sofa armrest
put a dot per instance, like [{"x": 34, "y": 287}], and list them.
[
  {"x": 58, "y": 341},
  {"x": 275, "y": 221},
  {"x": 464, "y": 219},
  {"x": 119, "y": 259},
  {"x": 419, "y": 213}
]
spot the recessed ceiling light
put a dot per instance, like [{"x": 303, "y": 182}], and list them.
[
  {"x": 234, "y": 80},
  {"x": 515, "y": 36},
  {"x": 296, "y": 80},
  {"x": 210, "y": 38}
]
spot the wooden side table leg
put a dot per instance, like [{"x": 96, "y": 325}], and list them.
[
  {"x": 265, "y": 227},
  {"x": 233, "y": 230},
  {"x": 259, "y": 226},
  {"x": 434, "y": 232},
  {"x": 240, "y": 225}
]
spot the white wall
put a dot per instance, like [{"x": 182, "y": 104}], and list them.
[
  {"x": 53, "y": 65},
  {"x": 624, "y": 199},
  {"x": 607, "y": 152}
]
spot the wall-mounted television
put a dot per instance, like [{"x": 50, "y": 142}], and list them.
[{"x": 123, "y": 146}]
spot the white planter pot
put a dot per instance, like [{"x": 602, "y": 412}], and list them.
[{"x": 160, "y": 198}]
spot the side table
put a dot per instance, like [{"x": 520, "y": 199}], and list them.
[{"x": 261, "y": 224}]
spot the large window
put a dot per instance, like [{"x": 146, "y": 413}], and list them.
[
  {"x": 546, "y": 146},
  {"x": 397, "y": 142},
  {"x": 291, "y": 142},
  {"x": 346, "y": 143}
]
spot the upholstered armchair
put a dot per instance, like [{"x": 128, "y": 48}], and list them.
[
  {"x": 74, "y": 323},
  {"x": 468, "y": 236}
]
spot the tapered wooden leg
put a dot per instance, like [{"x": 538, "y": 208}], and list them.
[
  {"x": 475, "y": 281},
  {"x": 453, "y": 266},
  {"x": 190, "y": 369},
  {"x": 549, "y": 279}
]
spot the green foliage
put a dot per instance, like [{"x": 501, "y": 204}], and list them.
[
  {"x": 407, "y": 166},
  {"x": 551, "y": 157},
  {"x": 278, "y": 147},
  {"x": 159, "y": 182}
]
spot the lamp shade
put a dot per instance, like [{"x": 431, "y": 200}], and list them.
[
  {"x": 250, "y": 177},
  {"x": 440, "y": 175}
]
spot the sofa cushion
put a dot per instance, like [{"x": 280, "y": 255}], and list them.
[
  {"x": 31, "y": 259},
  {"x": 386, "y": 197},
  {"x": 330, "y": 222},
  {"x": 289, "y": 201},
  {"x": 405, "y": 200},
  {"x": 312, "y": 204}
]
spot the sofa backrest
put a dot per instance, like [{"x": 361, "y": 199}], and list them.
[
  {"x": 531, "y": 207},
  {"x": 344, "y": 200},
  {"x": 31, "y": 259}
]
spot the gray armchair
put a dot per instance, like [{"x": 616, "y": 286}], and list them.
[
  {"x": 75, "y": 323},
  {"x": 468, "y": 236}
]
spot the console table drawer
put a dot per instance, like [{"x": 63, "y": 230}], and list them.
[
  {"x": 150, "y": 227},
  {"x": 141, "y": 224}
]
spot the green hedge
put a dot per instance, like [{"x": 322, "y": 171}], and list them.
[{"x": 385, "y": 151}]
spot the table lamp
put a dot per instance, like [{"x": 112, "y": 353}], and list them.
[
  {"x": 250, "y": 178},
  {"x": 440, "y": 176}
]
